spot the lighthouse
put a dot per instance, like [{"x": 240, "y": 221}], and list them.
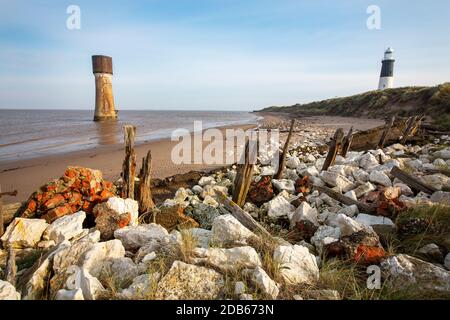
[
  {"x": 387, "y": 70},
  {"x": 104, "y": 100}
]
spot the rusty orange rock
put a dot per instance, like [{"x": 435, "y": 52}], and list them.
[
  {"x": 58, "y": 212},
  {"x": 54, "y": 202},
  {"x": 369, "y": 255}
]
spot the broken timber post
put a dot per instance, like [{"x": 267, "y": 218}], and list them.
[
  {"x": 244, "y": 175},
  {"x": 242, "y": 216},
  {"x": 411, "y": 181},
  {"x": 335, "y": 145},
  {"x": 385, "y": 134},
  {"x": 346, "y": 200},
  {"x": 129, "y": 164},
  {"x": 145, "y": 193},
  {"x": 104, "y": 100},
  {"x": 409, "y": 127},
  {"x": 347, "y": 143},
  {"x": 282, "y": 161},
  {"x": 11, "y": 267}
]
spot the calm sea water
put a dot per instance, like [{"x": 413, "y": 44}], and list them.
[{"x": 27, "y": 134}]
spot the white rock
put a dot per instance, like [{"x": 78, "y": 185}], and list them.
[
  {"x": 292, "y": 162},
  {"x": 349, "y": 210},
  {"x": 80, "y": 278},
  {"x": 262, "y": 281},
  {"x": 205, "y": 181},
  {"x": 298, "y": 266},
  {"x": 141, "y": 287},
  {"x": 361, "y": 176},
  {"x": 252, "y": 209},
  {"x": 408, "y": 272},
  {"x": 374, "y": 221},
  {"x": 447, "y": 261},
  {"x": 351, "y": 194},
  {"x": 122, "y": 206},
  {"x": 99, "y": 252},
  {"x": 310, "y": 158},
  {"x": 228, "y": 259},
  {"x": 64, "y": 294},
  {"x": 439, "y": 181},
  {"x": 380, "y": 178},
  {"x": 404, "y": 189},
  {"x": 284, "y": 184},
  {"x": 197, "y": 189},
  {"x": 211, "y": 191},
  {"x": 239, "y": 288},
  {"x": 121, "y": 270},
  {"x": 181, "y": 195},
  {"x": 189, "y": 282},
  {"x": 279, "y": 207},
  {"x": 347, "y": 225},
  {"x": 227, "y": 230},
  {"x": 364, "y": 189},
  {"x": 343, "y": 169},
  {"x": 23, "y": 233},
  {"x": 304, "y": 212},
  {"x": 246, "y": 297},
  {"x": 336, "y": 180},
  {"x": 368, "y": 161},
  {"x": 8, "y": 292},
  {"x": 443, "y": 154},
  {"x": 439, "y": 163},
  {"x": 267, "y": 171},
  {"x": 325, "y": 235},
  {"x": 210, "y": 201},
  {"x": 65, "y": 228},
  {"x": 202, "y": 236},
  {"x": 310, "y": 172},
  {"x": 441, "y": 197},
  {"x": 135, "y": 237}
]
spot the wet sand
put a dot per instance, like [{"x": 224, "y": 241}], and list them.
[{"x": 28, "y": 175}]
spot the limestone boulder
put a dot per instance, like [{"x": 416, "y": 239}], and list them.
[
  {"x": 23, "y": 233},
  {"x": 65, "y": 228},
  {"x": 8, "y": 292},
  {"x": 227, "y": 230},
  {"x": 135, "y": 237},
  {"x": 279, "y": 207},
  {"x": 228, "y": 259},
  {"x": 189, "y": 282},
  {"x": 262, "y": 281}
]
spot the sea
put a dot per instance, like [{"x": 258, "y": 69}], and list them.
[{"x": 26, "y": 134}]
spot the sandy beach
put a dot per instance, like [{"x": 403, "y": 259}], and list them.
[{"x": 28, "y": 175}]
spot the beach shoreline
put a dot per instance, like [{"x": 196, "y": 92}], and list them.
[{"x": 28, "y": 175}]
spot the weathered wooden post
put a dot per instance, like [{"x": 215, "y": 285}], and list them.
[
  {"x": 411, "y": 181},
  {"x": 145, "y": 193},
  {"x": 385, "y": 134},
  {"x": 129, "y": 164},
  {"x": 409, "y": 127},
  {"x": 347, "y": 142},
  {"x": 335, "y": 145},
  {"x": 282, "y": 161},
  {"x": 104, "y": 100},
  {"x": 244, "y": 175}
]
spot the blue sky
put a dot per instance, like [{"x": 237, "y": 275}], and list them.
[{"x": 215, "y": 54}]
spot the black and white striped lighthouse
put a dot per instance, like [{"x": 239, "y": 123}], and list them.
[{"x": 387, "y": 70}]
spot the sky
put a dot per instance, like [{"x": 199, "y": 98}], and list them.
[{"x": 215, "y": 54}]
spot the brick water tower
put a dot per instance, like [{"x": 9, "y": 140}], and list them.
[
  {"x": 387, "y": 70},
  {"x": 104, "y": 99}
]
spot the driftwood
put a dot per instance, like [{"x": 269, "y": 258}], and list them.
[
  {"x": 129, "y": 164},
  {"x": 242, "y": 216},
  {"x": 346, "y": 200},
  {"x": 145, "y": 193},
  {"x": 438, "y": 171},
  {"x": 335, "y": 146},
  {"x": 282, "y": 161},
  {"x": 409, "y": 128},
  {"x": 388, "y": 127},
  {"x": 244, "y": 176},
  {"x": 11, "y": 267},
  {"x": 347, "y": 143},
  {"x": 411, "y": 181}
]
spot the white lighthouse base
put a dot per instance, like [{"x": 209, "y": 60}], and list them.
[{"x": 386, "y": 83}]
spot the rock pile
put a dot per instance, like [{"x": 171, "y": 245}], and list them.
[{"x": 78, "y": 189}]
